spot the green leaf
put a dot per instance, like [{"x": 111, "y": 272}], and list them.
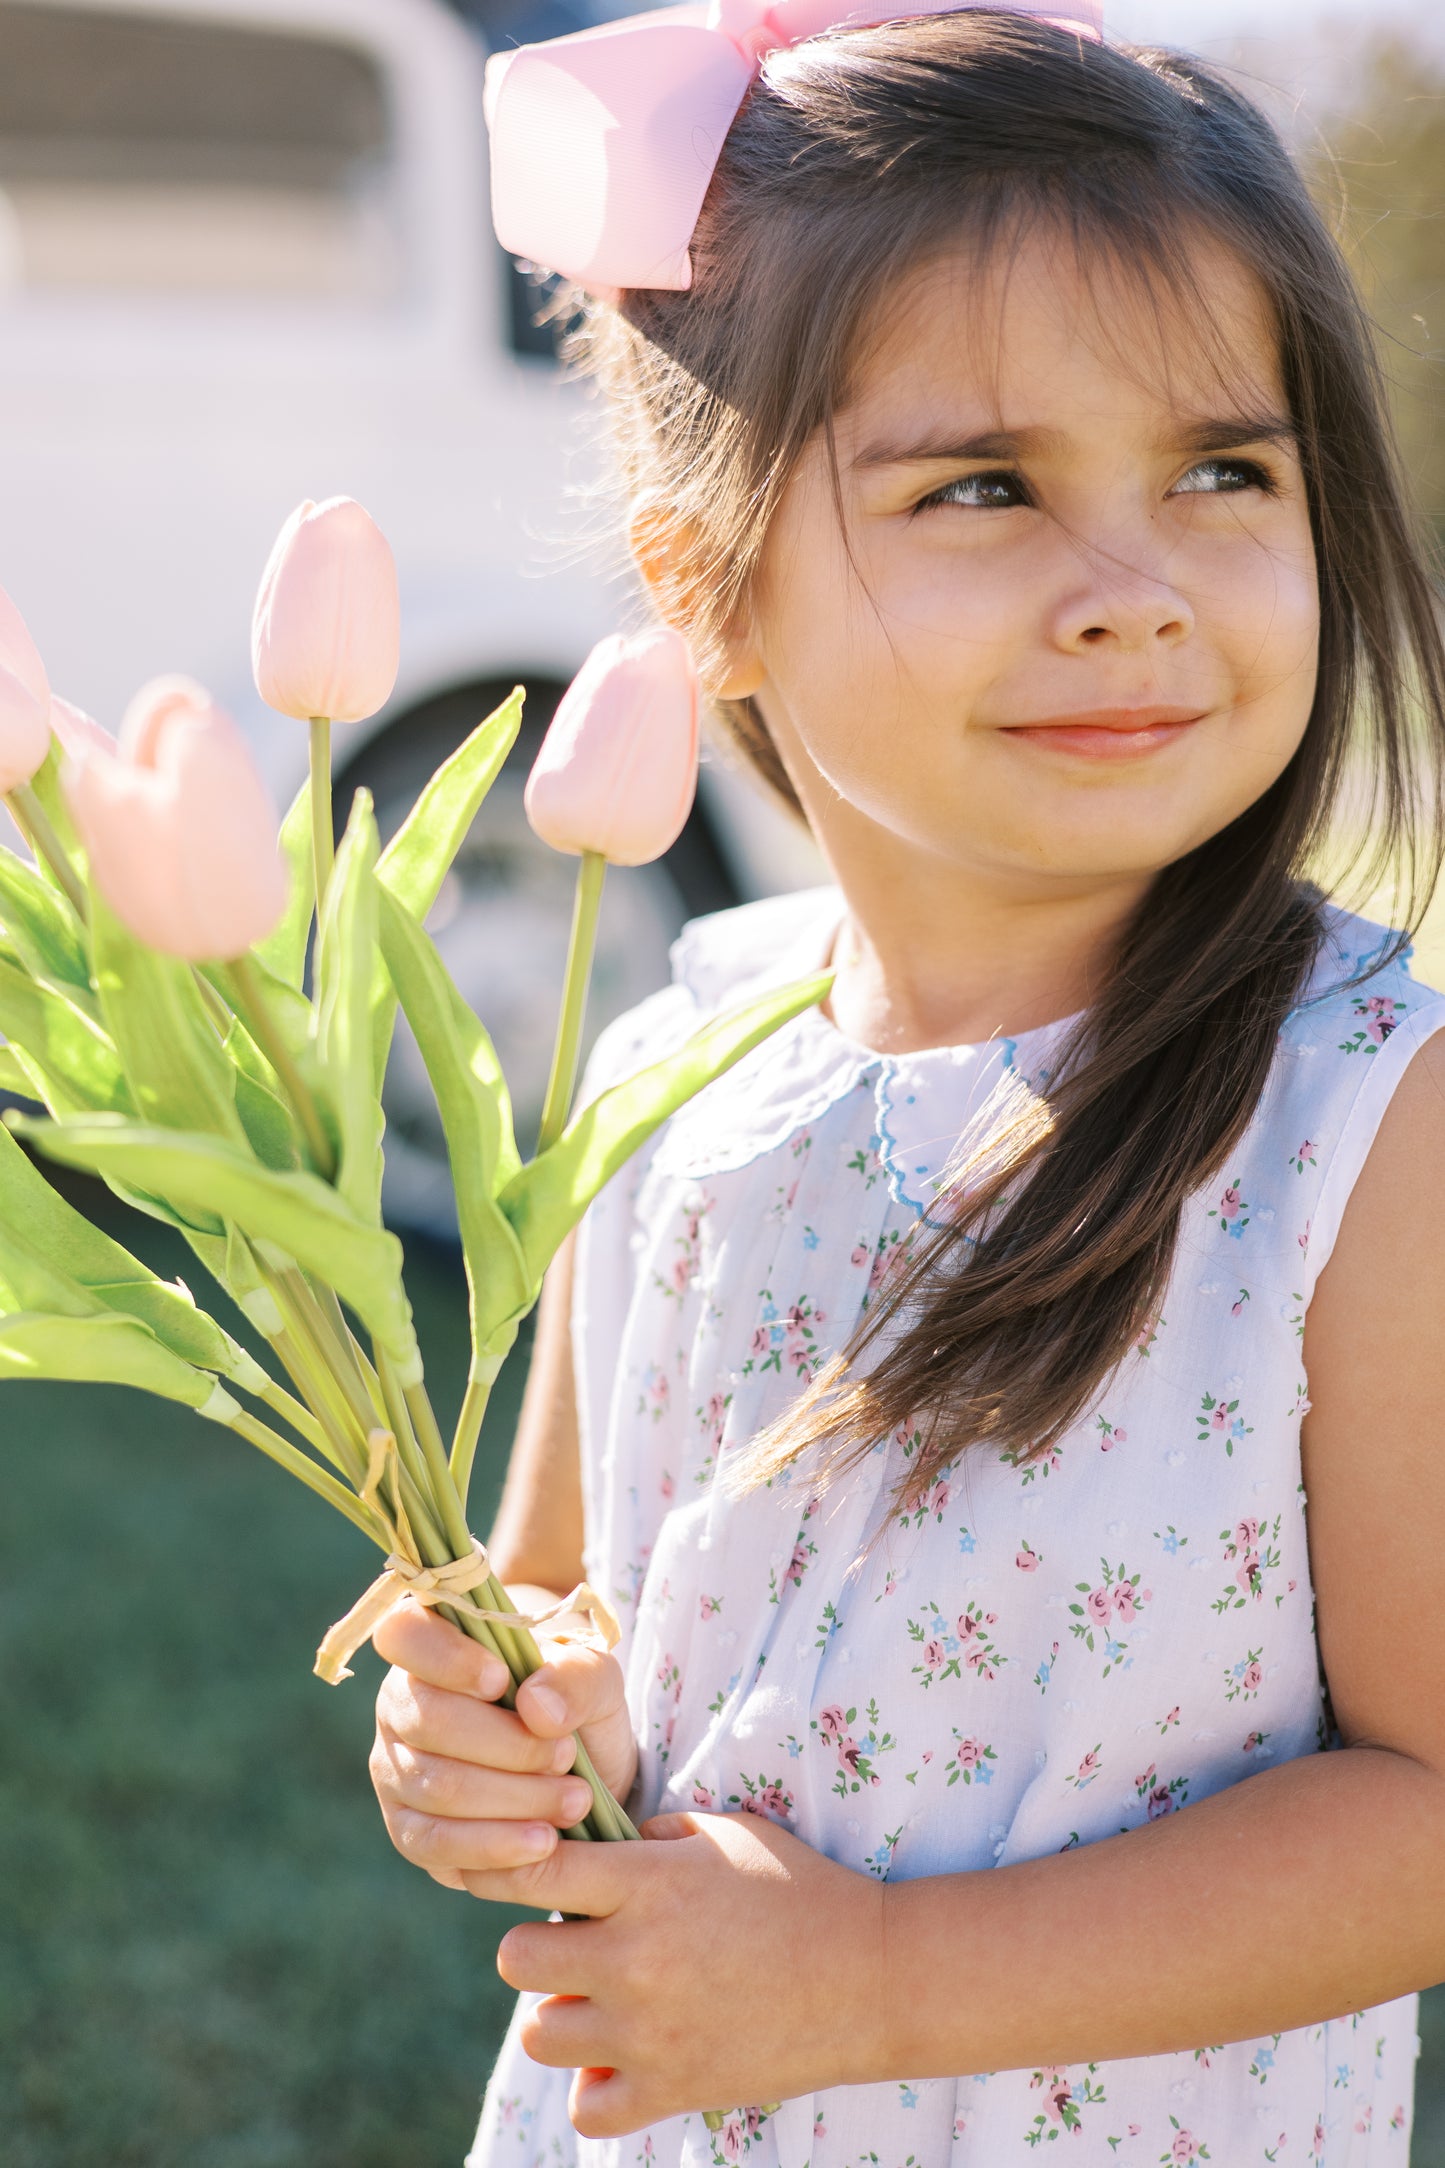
[
  {"x": 476, "y": 1114},
  {"x": 265, "y": 1116},
  {"x": 546, "y": 1200},
  {"x": 419, "y": 856},
  {"x": 284, "y": 950},
  {"x": 35, "y": 1215},
  {"x": 347, "y": 961},
  {"x": 209, "y": 1179},
  {"x": 44, "y": 933},
  {"x": 104, "y": 1351},
  {"x": 13, "y": 1076},
  {"x": 166, "y": 1041},
  {"x": 71, "y": 1062}
]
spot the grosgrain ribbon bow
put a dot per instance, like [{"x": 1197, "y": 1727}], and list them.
[{"x": 405, "y": 1574}]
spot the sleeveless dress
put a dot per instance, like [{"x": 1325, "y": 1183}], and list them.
[{"x": 1036, "y": 1658}]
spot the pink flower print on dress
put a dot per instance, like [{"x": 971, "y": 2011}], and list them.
[
  {"x": 1158, "y": 1797},
  {"x": 1185, "y": 2147},
  {"x": 666, "y": 1486},
  {"x": 1231, "y": 1211},
  {"x": 766, "y": 1797},
  {"x": 971, "y": 1760},
  {"x": 1064, "y": 2102},
  {"x": 1220, "y": 1418},
  {"x": 859, "y": 1256},
  {"x": 1381, "y": 1015},
  {"x": 831, "y": 1722},
  {"x": 1110, "y": 1435},
  {"x": 1242, "y": 1680},
  {"x": 1027, "y": 1559},
  {"x": 1303, "y": 1155},
  {"x": 1088, "y": 1768},
  {"x": 1093, "y": 1619},
  {"x": 701, "y": 1796},
  {"x": 709, "y": 1606}
]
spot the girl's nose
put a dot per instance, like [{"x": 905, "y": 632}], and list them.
[{"x": 1116, "y": 600}]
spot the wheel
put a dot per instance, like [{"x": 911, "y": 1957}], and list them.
[{"x": 501, "y": 923}]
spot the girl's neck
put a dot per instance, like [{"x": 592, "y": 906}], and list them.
[{"x": 954, "y": 962}]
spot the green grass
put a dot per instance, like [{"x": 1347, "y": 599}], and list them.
[{"x": 212, "y": 1958}]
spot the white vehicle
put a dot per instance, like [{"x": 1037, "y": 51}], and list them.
[{"x": 245, "y": 259}]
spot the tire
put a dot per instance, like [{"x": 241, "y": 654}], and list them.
[{"x": 501, "y": 924}]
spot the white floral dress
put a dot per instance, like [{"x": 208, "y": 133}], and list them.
[{"x": 1037, "y": 1658}]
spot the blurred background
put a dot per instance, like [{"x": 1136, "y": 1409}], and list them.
[{"x": 245, "y": 258}]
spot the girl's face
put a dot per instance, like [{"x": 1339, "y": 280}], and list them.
[{"x": 1077, "y": 631}]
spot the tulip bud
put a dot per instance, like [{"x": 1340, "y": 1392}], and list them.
[
  {"x": 617, "y": 772},
  {"x": 24, "y": 701},
  {"x": 179, "y": 828},
  {"x": 326, "y": 633},
  {"x": 76, "y": 730}
]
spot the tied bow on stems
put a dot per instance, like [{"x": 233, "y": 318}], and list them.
[{"x": 153, "y": 999}]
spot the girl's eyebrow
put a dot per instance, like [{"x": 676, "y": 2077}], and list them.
[{"x": 1221, "y": 433}]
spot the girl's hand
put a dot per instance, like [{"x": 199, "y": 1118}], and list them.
[
  {"x": 684, "y": 1988},
  {"x": 469, "y": 1787}
]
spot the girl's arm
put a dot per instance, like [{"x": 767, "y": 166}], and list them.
[
  {"x": 536, "y": 1544},
  {"x": 1301, "y": 1893}
]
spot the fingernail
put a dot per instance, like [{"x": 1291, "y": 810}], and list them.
[
  {"x": 536, "y": 1840},
  {"x": 576, "y": 1801},
  {"x": 548, "y": 1705}
]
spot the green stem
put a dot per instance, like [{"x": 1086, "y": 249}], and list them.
[
  {"x": 253, "y": 1007},
  {"x": 563, "y": 1081},
  {"x": 413, "y": 1464},
  {"x": 468, "y": 1430},
  {"x": 316, "y": 1479},
  {"x": 336, "y": 1318},
  {"x": 444, "y": 1490},
  {"x": 36, "y": 826},
  {"x": 216, "y": 1009},
  {"x": 307, "y": 1358},
  {"x": 301, "y": 1419},
  {"x": 323, "y": 842}
]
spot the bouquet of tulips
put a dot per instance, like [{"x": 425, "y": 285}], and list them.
[{"x": 155, "y": 999}]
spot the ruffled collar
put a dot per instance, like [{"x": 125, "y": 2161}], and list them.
[{"x": 913, "y": 1107}]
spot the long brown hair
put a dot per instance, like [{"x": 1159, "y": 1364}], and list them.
[{"x": 854, "y": 158}]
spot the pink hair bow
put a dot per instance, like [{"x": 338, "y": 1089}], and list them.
[{"x": 604, "y": 141}]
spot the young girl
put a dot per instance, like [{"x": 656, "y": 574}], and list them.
[{"x": 1004, "y": 1409}]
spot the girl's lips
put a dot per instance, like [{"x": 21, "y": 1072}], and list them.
[{"x": 1109, "y": 733}]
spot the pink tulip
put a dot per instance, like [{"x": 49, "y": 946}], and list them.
[
  {"x": 24, "y": 701},
  {"x": 77, "y": 731},
  {"x": 618, "y": 768},
  {"x": 326, "y": 633},
  {"x": 179, "y": 828}
]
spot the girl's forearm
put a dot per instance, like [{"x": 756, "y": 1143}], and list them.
[{"x": 1302, "y": 1893}]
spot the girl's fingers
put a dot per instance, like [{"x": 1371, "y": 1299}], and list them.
[
  {"x": 564, "y": 2031},
  {"x": 417, "y": 1640},
  {"x": 434, "y": 1720},
  {"x": 575, "y": 1687},
  {"x": 436, "y": 1842},
  {"x": 462, "y": 1791}
]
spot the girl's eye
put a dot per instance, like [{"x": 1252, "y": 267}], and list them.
[
  {"x": 997, "y": 491},
  {"x": 1220, "y": 477}
]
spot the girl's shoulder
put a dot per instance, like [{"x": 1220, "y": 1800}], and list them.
[{"x": 1344, "y": 1048}]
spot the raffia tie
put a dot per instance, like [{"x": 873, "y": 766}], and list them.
[{"x": 405, "y": 1574}]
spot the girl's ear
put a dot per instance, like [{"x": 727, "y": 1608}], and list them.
[{"x": 664, "y": 550}]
